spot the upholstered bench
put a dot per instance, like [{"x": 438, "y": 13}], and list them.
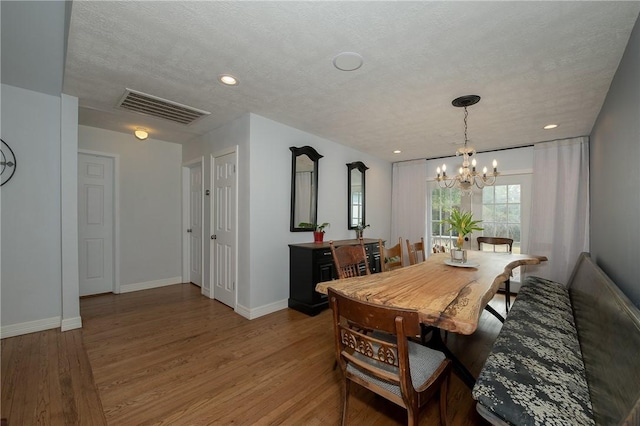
[{"x": 565, "y": 355}]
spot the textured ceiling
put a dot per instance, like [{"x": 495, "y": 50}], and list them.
[{"x": 533, "y": 63}]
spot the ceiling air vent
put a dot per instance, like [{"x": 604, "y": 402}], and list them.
[{"x": 161, "y": 108}]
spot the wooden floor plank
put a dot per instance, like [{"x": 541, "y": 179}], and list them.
[
  {"x": 89, "y": 406},
  {"x": 10, "y": 355},
  {"x": 56, "y": 412},
  {"x": 172, "y": 356}
]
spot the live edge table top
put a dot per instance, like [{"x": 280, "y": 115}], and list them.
[{"x": 448, "y": 297}]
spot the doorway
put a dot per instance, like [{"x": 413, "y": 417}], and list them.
[{"x": 192, "y": 190}]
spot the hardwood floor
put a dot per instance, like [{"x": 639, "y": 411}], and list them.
[{"x": 172, "y": 356}]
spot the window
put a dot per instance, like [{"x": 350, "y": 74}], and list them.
[
  {"x": 502, "y": 213},
  {"x": 442, "y": 202},
  {"x": 503, "y": 209}
]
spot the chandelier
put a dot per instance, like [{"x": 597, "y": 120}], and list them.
[{"x": 467, "y": 177}]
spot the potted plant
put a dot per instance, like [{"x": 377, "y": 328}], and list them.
[
  {"x": 463, "y": 224},
  {"x": 318, "y": 230},
  {"x": 360, "y": 229}
]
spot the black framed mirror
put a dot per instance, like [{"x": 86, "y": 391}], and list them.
[
  {"x": 356, "y": 194},
  {"x": 304, "y": 187}
]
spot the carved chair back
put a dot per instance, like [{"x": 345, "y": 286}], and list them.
[{"x": 350, "y": 261}]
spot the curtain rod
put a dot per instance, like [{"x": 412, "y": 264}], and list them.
[
  {"x": 490, "y": 150},
  {"x": 483, "y": 152}
]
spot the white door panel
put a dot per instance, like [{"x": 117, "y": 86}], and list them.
[
  {"x": 224, "y": 229},
  {"x": 95, "y": 224}
]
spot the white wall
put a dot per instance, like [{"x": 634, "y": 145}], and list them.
[
  {"x": 31, "y": 218},
  {"x": 69, "y": 211},
  {"x": 264, "y": 183},
  {"x": 271, "y": 198},
  {"x": 150, "y": 205}
]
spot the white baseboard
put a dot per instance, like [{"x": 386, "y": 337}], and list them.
[
  {"x": 243, "y": 311},
  {"x": 29, "y": 327},
  {"x": 262, "y": 310},
  {"x": 127, "y": 288},
  {"x": 205, "y": 292},
  {"x": 71, "y": 324}
]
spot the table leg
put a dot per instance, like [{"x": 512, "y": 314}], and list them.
[
  {"x": 495, "y": 313},
  {"x": 436, "y": 342}
]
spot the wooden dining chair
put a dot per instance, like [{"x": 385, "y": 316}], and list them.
[
  {"x": 350, "y": 261},
  {"x": 385, "y": 361},
  {"x": 508, "y": 243},
  {"x": 414, "y": 249},
  {"x": 391, "y": 258}
]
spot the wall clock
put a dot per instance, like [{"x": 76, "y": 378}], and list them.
[{"x": 7, "y": 163}]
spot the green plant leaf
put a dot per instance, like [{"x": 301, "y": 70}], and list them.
[{"x": 462, "y": 222}]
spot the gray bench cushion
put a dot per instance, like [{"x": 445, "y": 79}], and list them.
[{"x": 535, "y": 374}]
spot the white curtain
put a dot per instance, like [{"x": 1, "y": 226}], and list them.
[
  {"x": 408, "y": 202},
  {"x": 560, "y": 206}
]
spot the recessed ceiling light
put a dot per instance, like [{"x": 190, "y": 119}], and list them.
[
  {"x": 348, "y": 61},
  {"x": 397, "y": 151},
  {"x": 550, "y": 126},
  {"x": 228, "y": 79}
]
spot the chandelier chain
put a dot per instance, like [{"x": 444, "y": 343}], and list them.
[{"x": 466, "y": 114}]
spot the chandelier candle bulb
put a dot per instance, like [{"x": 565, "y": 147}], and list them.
[
  {"x": 495, "y": 166},
  {"x": 473, "y": 164}
]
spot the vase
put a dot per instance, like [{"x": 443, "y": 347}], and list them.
[
  {"x": 458, "y": 255},
  {"x": 318, "y": 237},
  {"x": 358, "y": 234}
]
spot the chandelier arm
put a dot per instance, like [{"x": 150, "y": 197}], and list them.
[
  {"x": 490, "y": 180},
  {"x": 446, "y": 183}
]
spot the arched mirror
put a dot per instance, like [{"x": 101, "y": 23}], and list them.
[
  {"x": 356, "y": 194},
  {"x": 304, "y": 187}
]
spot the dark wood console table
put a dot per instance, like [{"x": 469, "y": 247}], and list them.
[{"x": 311, "y": 263}]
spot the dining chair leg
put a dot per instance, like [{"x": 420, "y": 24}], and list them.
[
  {"x": 444, "y": 421},
  {"x": 426, "y": 329},
  {"x": 412, "y": 415},
  {"x": 345, "y": 403}
]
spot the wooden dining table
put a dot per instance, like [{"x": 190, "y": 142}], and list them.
[{"x": 448, "y": 297}]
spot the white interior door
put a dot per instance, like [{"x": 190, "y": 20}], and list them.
[
  {"x": 195, "y": 224},
  {"x": 95, "y": 224},
  {"x": 224, "y": 229}
]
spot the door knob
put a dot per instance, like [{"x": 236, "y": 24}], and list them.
[{"x": 189, "y": 230}]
